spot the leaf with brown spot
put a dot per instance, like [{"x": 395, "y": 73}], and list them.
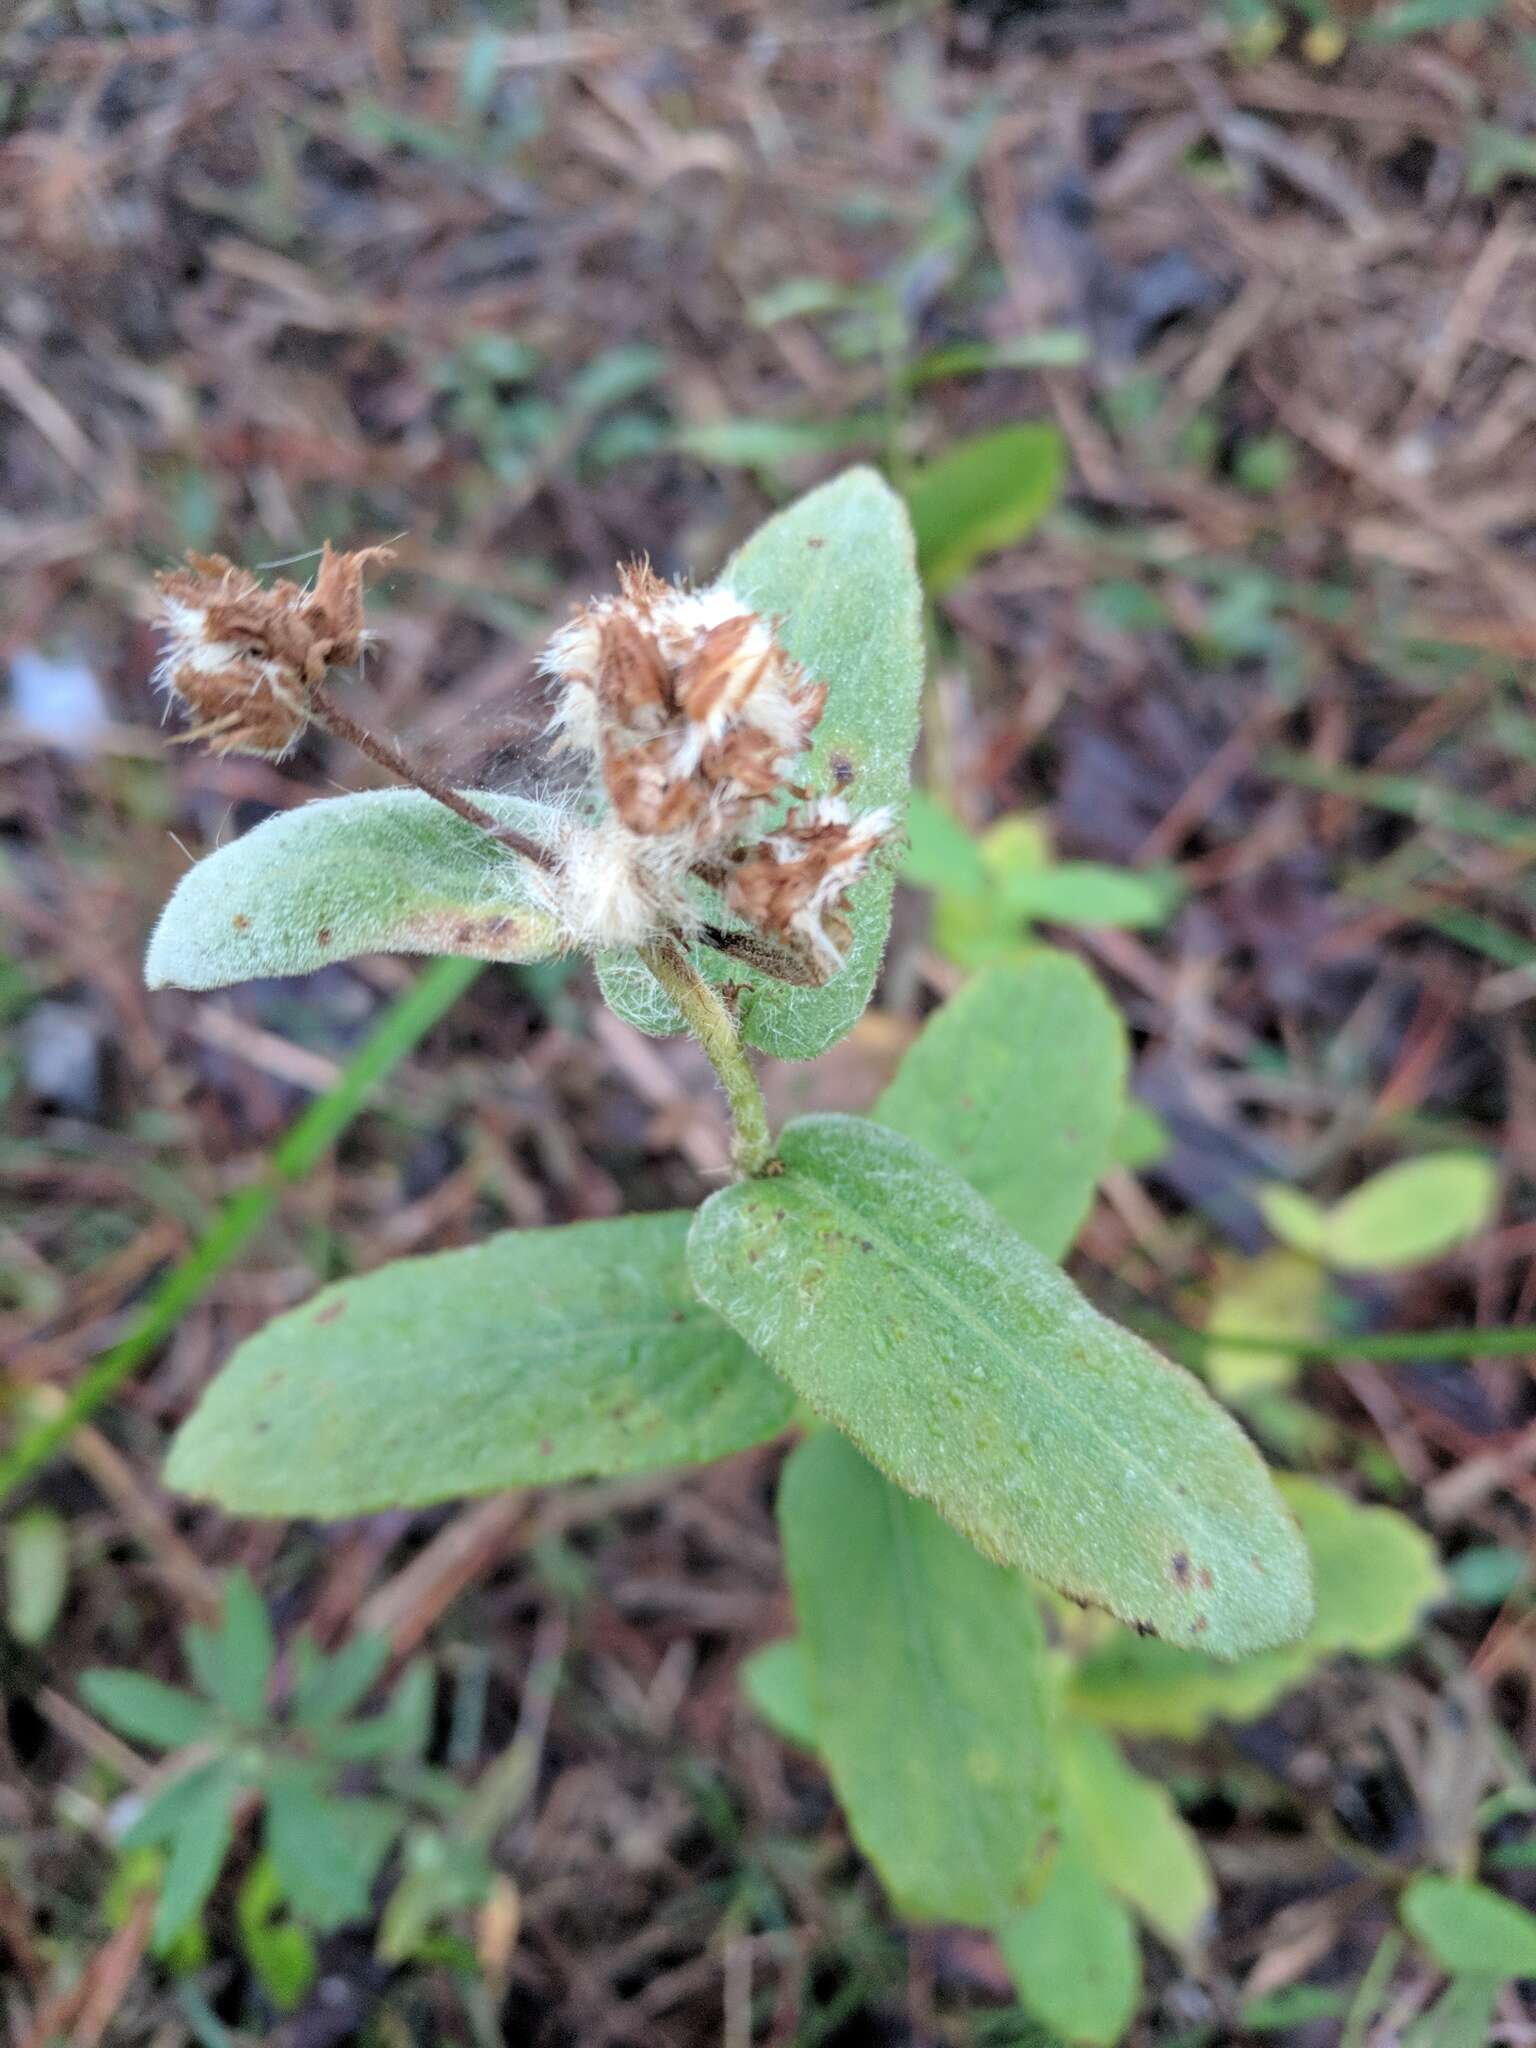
[{"x": 391, "y": 871}]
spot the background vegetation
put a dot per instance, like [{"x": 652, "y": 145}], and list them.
[{"x": 1200, "y": 343}]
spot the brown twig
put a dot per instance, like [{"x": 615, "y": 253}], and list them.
[{"x": 329, "y": 714}]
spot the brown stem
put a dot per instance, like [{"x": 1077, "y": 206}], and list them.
[{"x": 328, "y": 713}]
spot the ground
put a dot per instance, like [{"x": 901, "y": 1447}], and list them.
[{"x": 531, "y": 293}]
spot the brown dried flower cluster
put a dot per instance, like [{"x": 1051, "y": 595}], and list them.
[
  {"x": 689, "y": 707},
  {"x": 695, "y": 719},
  {"x": 244, "y": 658}
]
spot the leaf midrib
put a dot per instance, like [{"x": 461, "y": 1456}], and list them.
[{"x": 933, "y": 1286}]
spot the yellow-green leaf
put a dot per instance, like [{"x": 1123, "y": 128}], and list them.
[{"x": 1074, "y": 1956}]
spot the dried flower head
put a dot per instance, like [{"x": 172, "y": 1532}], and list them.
[
  {"x": 244, "y": 658},
  {"x": 694, "y": 719},
  {"x": 689, "y": 709},
  {"x": 793, "y": 884}
]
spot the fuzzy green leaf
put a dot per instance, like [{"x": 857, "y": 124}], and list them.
[
  {"x": 837, "y": 569},
  {"x": 389, "y": 871},
  {"x": 1470, "y": 1930},
  {"x": 1073, "y": 1955},
  {"x": 539, "y": 1355},
  {"x": 1018, "y": 1083},
  {"x": 1373, "y": 1574},
  {"x": 926, "y": 1669},
  {"x": 969, "y": 1369},
  {"x": 982, "y": 494}
]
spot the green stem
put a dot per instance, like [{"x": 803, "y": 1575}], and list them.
[
  {"x": 715, "y": 1028},
  {"x": 1404, "y": 1346},
  {"x": 302, "y": 1147}
]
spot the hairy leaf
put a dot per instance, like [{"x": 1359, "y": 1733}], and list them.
[
  {"x": 970, "y": 1370},
  {"x": 1373, "y": 1574},
  {"x": 1018, "y": 1083},
  {"x": 837, "y": 569},
  {"x": 926, "y": 1671},
  {"x": 388, "y": 871},
  {"x": 538, "y": 1355}
]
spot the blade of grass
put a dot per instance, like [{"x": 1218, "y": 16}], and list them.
[
  {"x": 1406, "y": 1347},
  {"x": 1427, "y": 803},
  {"x": 403, "y": 1025}
]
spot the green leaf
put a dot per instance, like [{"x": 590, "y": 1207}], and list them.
[
  {"x": 1460, "y": 2018},
  {"x": 940, "y": 853},
  {"x": 1018, "y": 1083},
  {"x": 326, "y": 1851},
  {"x": 1295, "y": 1218},
  {"x": 281, "y": 1954},
  {"x": 1469, "y": 1930},
  {"x": 539, "y": 1355},
  {"x": 837, "y": 569},
  {"x": 1278, "y": 1294},
  {"x": 1133, "y": 1837},
  {"x": 926, "y": 1667},
  {"x": 327, "y": 1688},
  {"x": 145, "y": 1710},
  {"x": 970, "y": 1370},
  {"x": 1412, "y": 1212},
  {"x": 980, "y": 495},
  {"x": 401, "y": 1731},
  {"x": 1373, "y": 1574},
  {"x": 36, "y": 1573},
  {"x": 1082, "y": 892},
  {"x": 246, "y": 1652},
  {"x": 162, "y": 1818},
  {"x": 389, "y": 871},
  {"x": 777, "y": 1682},
  {"x": 1141, "y": 1137},
  {"x": 205, "y": 1827},
  {"x": 1074, "y": 1956}
]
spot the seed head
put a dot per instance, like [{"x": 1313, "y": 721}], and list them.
[
  {"x": 243, "y": 658},
  {"x": 793, "y": 884},
  {"x": 689, "y": 709}
]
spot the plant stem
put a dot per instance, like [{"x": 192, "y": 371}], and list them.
[
  {"x": 715, "y": 1028},
  {"x": 303, "y": 1145},
  {"x": 389, "y": 755}
]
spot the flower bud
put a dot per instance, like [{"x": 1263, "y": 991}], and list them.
[{"x": 793, "y": 885}]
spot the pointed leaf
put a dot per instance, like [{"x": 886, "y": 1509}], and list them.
[
  {"x": 205, "y": 1828},
  {"x": 969, "y": 1368},
  {"x": 1074, "y": 1957},
  {"x": 389, "y": 871},
  {"x": 837, "y": 569},
  {"x": 1018, "y": 1083},
  {"x": 327, "y": 1851},
  {"x": 983, "y": 494},
  {"x": 247, "y": 1651},
  {"x": 145, "y": 1710},
  {"x": 329, "y": 1687},
  {"x": 926, "y": 1667},
  {"x": 539, "y": 1355}
]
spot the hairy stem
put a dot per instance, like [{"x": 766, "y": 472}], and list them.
[
  {"x": 714, "y": 1027},
  {"x": 328, "y": 713}
]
